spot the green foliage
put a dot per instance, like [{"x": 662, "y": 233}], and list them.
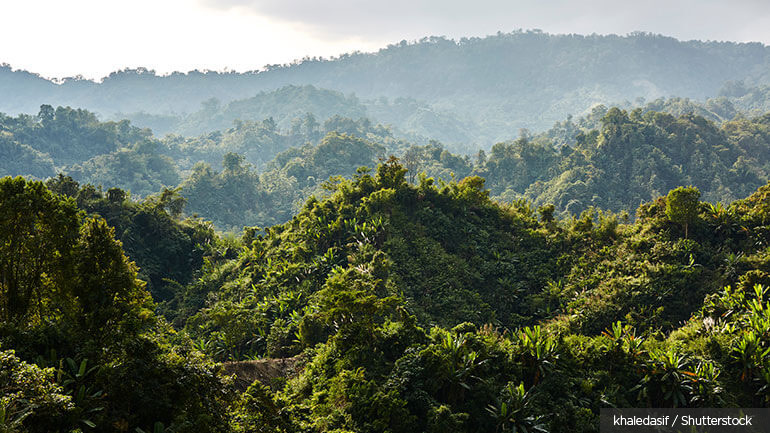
[
  {"x": 603, "y": 312},
  {"x": 139, "y": 168},
  {"x": 71, "y": 135},
  {"x": 38, "y": 233},
  {"x": 69, "y": 293},
  {"x": 682, "y": 206},
  {"x": 257, "y": 140},
  {"x": 635, "y": 157},
  {"x": 283, "y": 106},
  {"x": 30, "y": 401},
  {"x": 240, "y": 196},
  {"x": 169, "y": 251},
  {"x": 402, "y": 303},
  {"x": 107, "y": 153},
  {"x": 21, "y": 159},
  {"x": 538, "y": 353},
  {"x": 511, "y": 414},
  {"x": 517, "y": 165},
  {"x": 611, "y": 159},
  {"x": 234, "y": 196}
]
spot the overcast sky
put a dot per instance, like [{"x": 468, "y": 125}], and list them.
[{"x": 60, "y": 38}]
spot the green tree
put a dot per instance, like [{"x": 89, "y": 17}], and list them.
[
  {"x": 38, "y": 231},
  {"x": 30, "y": 401},
  {"x": 46, "y": 114},
  {"x": 232, "y": 163},
  {"x": 108, "y": 293},
  {"x": 682, "y": 206}
]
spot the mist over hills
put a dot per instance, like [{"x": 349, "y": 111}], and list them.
[{"x": 496, "y": 84}]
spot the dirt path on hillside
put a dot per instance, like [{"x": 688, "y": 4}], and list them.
[{"x": 264, "y": 370}]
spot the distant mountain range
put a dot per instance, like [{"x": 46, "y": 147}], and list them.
[{"x": 487, "y": 89}]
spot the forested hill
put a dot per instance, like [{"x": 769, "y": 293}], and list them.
[
  {"x": 256, "y": 173},
  {"x": 503, "y": 82},
  {"x": 401, "y": 307},
  {"x": 409, "y": 117}
]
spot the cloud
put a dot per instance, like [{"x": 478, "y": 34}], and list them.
[
  {"x": 393, "y": 18},
  {"x": 248, "y": 34},
  {"x": 409, "y": 19},
  {"x": 95, "y": 37}
]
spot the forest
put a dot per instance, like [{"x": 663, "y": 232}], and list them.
[
  {"x": 291, "y": 258},
  {"x": 257, "y": 173},
  {"x": 398, "y": 306},
  {"x": 468, "y": 91}
]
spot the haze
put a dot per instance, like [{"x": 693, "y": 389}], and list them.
[{"x": 95, "y": 37}]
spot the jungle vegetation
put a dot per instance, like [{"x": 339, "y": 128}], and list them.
[
  {"x": 275, "y": 256},
  {"x": 407, "y": 307},
  {"x": 258, "y": 174}
]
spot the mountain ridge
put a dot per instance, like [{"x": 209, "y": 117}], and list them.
[{"x": 503, "y": 82}]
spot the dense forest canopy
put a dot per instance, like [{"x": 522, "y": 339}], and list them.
[
  {"x": 259, "y": 173},
  {"x": 398, "y": 307},
  {"x": 396, "y": 254}
]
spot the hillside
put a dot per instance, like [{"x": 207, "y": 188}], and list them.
[
  {"x": 516, "y": 232},
  {"x": 501, "y": 83},
  {"x": 288, "y": 105},
  {"x": 398, "y": 307},
  {"x": 424, "y": 309},
  {"x": 258, "y": 173}
]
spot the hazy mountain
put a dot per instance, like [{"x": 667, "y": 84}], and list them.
[{"x": 501, "y": 83}]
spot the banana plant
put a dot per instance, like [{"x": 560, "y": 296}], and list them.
[
  {"x": 725, "y": 219},
  {"x": 74, "y": 378},
  {"x": 706, "y": 389},
  {"x": 512, "y": 411},
  {"x": 461, "y": 363},
  {"x": 539, "y": 352},
  {"x": 750, "y": 355},
  {"x": 667, "y": 381},
  {"x": 623, "y": 339}
]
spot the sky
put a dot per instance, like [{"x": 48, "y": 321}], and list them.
[{"x": 92, "y": 38}]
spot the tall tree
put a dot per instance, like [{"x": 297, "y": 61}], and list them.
[
  {"x": 682, "y": 206},
  {"x": 38, "y": 231}
]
